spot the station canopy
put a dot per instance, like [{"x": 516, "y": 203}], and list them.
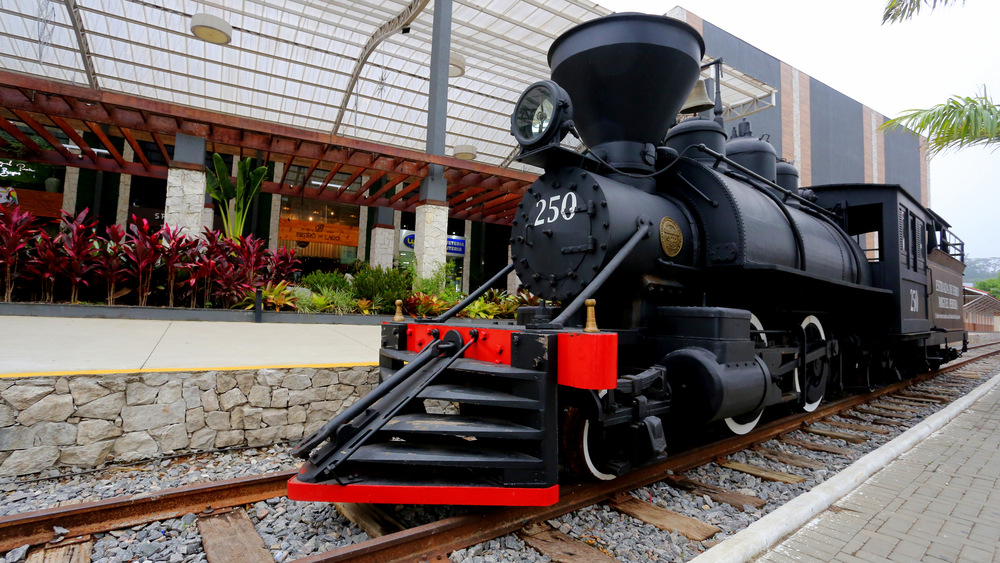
[{"x": 353, "y": 69}]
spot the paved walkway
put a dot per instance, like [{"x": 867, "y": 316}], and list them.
[
  {"x": 938, "y": 502},
  {"x": 60, "y": 346}
]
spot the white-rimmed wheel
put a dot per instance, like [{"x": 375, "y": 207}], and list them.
[
  {"x": 744, "y": 424},
  {"x": 583, "y": 451},
  {"x": 817, "y": 371}
]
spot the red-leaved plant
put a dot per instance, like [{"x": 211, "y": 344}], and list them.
[
  {"x": 16, "y": 229},
  {"x": 76, "y": 240},
  {"x": 143, "y": 251},
  {"x": 46, "y": 264},
  {"x": 176, "y": 248},
  {"x": 283, "y": 264},
  {"x": 109, "y": 259}
]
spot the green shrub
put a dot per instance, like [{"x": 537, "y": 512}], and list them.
[
  {"x": 382, "y": 286},
  {"x": 437, "y": 284},
  {"x": 339, "y": 301},
  {"x": 318, "y": 281}
]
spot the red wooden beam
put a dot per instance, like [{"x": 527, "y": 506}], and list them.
[
  {"x": 284, "y": 171},
  {"x": 347, "y": 183},
  {"x": 388, "y": 186},
  {"x": 329, "y": 176},
  {"x": 367, "y": 185},
  {"x": 96, "y": 130},
  {"x": 474, "y": 201},
  {"x": 135, "y": 147},
  {"x": 309, "y": 173},
  {"x": 162, "y": 147},
  {"x": 75, "y": 137},
  {"x": 465, "y": 195},
  {"x": 19, "y": 135},
  {"x": 409, "y": 188},
  {"x": 42, "y": 132}
]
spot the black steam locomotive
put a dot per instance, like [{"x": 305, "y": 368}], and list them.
[{"x": 722, "y": 290}]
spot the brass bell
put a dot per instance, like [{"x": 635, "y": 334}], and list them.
[{"x": 698, "y": 100}]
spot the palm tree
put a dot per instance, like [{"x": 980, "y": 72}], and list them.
[
  {"x": 961, "y": 121},
  {"x": 899, "y": 10}
]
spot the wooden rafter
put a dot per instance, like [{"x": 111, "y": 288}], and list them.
[
  {"x": 96, "y": 130},
  {"x": 42, "y": 132},
  {"x": 135, "y": 147},
  {"x": 75, "y": 137},
  {"x": 19, "y": 136}
]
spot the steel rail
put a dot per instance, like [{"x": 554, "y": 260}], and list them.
[
  {"x": 429, "y": 540},
  {"x": 36, "y": 527}
]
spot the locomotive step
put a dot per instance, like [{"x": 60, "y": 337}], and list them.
[
  {"x": 477, "y": 396},
  {"x": 404, "y": 453},
  {"x": 456, "y": 425},
  {"x": 471, "y": 366}
]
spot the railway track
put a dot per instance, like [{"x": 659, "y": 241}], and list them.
[{"x": 226, "y": 529}]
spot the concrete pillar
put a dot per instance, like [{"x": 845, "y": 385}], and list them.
[
  {"x": 185, "y": 206},
  {"x": 362, "y": 233},
  {"x": 383, "y": 237},
  {"x": 431, "y": 242},
  {"x": 273, "y": 225},
  {"x": 70, "y": 185},
  {"x": 124, "y": 189},
  {"x": 513, "y": 282}
]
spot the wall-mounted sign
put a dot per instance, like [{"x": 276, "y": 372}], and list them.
[
  {"x": 456, "y": 244},
  {"x": 323, "y": 233},
  {"x": 10, "y": 168}
]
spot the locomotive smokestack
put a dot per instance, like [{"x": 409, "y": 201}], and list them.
[{"x": 627, "y": 75}]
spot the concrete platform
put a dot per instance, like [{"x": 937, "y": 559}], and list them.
[
  {"x": 64, "y": 346},
  {"x": 938, "y": 501}
]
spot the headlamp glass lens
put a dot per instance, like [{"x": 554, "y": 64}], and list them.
[{"x": 535, "y": 113}]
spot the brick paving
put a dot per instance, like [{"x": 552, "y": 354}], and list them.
[{"x": 938, "y": 502}]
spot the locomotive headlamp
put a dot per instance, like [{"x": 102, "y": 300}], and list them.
[{"x": 540, "y": 114}]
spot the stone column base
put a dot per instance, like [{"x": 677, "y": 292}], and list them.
[
  {"x": 382, "y": 246},
  {"x": 431, "y": 244}
]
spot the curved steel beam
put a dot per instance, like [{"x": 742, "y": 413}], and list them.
[
  {"x": 402, "y": 20},
  {"x": 81, "y": 40}
]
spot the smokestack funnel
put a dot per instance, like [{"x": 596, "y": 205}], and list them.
[{"x": 628, "y": 76}]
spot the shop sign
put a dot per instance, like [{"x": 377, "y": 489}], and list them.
[
  {"x": 323, "y": 233},
  {"x": 456, "y": 244},
  {"x": 10, "y": 168}
]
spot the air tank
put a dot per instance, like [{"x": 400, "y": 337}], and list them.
[
  {"x": 754, "y": 154},
  {"x": 788, "y": 176},
  {"x": 697, "y": 131}
]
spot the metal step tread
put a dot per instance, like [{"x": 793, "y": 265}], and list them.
[
  {"x": 458, "y": 425},
  {"x": 474, "y": 366},
  {"x": 408, "y": 453},
  {"x": 477, "y": 396}
]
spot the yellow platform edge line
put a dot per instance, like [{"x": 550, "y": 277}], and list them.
[{"x": 153, "y": 370}]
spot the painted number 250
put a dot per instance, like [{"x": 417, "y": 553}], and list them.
[{"x": 552, "y": 209}]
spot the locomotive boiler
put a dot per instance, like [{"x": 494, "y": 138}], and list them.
[{"x": 720, "y": 289}]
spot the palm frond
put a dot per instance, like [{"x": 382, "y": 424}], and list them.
[
  {"x": 959, "y": 122},
  {"x": 900, "y": 10}
]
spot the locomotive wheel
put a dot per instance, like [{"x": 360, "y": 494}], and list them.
[
  {"x": 582, "y": 451},
  {"x": 816, "y": 372},
  {"x": 745, "y": 423}
]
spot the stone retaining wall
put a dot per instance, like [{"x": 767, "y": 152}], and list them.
[{"x": 85, "y": 420}]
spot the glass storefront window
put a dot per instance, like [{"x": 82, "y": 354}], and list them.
[{"x": 319, "y": 229}]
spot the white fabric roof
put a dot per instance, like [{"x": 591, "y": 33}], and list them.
[{"x": 291, "y": 61}]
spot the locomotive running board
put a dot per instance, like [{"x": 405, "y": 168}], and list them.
[{"x": 386, "y": 493}]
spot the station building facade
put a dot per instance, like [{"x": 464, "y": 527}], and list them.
[{"x": 830, "y": 137}]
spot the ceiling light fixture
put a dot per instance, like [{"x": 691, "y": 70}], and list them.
[
  {"x": 456, "y": 65},
  {"x": 465, "y": 152},
  {"x": 211, "y": 28}
]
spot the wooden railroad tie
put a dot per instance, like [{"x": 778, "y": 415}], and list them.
[
  {"x": 734, "y": 499},
  {"x": 901, "y": 401},
  {"x": 229, "y": 537},
  {"x": 875, "y": 420},
  {"x": 370, "y": 518},
  {"x": 662, "y": 518},
  {"x": 878, "y": 412},
  {"x": 789, "y": 459},
  {"x": 808, "y": 445},
  {"x": 924, "y": 396},
  {"x": 845, "y": 436},
  {"x": 76, "y": 549},
  {"x": 949, "y": 393},
  {"x": 763, "y": 473},
  {"x": 561, "y": 547},
  {"x": 893, "y": 408},
  {"x": 858, "y": 427}
]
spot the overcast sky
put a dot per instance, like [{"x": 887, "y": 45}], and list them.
[{"x": 889, "y": 68}]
